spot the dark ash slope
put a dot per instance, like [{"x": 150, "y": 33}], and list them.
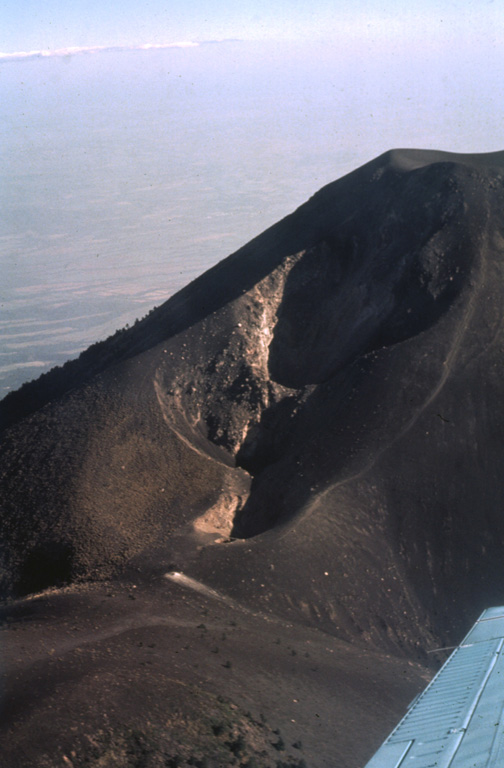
[{"x": 330, "y": 396}]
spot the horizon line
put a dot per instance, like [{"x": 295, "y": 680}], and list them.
[{"x": 90, "y": 49}]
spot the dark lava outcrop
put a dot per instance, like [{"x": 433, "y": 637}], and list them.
[{"x": 328, "y": 400}]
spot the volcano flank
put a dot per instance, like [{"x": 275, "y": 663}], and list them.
[{"x": 234, "y": 533}]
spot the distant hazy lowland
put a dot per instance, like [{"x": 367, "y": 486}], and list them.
[{"x": 126, "y": 175}]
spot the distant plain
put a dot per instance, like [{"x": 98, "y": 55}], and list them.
[{"x": 125, "y": 174}]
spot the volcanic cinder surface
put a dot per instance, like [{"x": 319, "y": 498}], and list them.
[{"x": 234, "y": 533}]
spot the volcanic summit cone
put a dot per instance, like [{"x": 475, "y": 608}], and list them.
[{"x": 312, "y": 430}]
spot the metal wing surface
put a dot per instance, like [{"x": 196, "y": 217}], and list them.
[{"x": 458, "y": 721}]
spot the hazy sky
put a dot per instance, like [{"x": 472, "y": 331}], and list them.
[{"x": 32, "y": 25}]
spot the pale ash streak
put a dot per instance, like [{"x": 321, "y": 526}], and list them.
[{"x": 197, "y": 586}]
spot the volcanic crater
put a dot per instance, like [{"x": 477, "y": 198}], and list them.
[{"x": 311, "y": 436}]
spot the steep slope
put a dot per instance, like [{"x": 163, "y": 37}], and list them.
[{"x": 331, "y": 390}]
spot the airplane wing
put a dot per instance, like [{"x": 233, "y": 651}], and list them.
[{"x": 458, "y": 721}]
